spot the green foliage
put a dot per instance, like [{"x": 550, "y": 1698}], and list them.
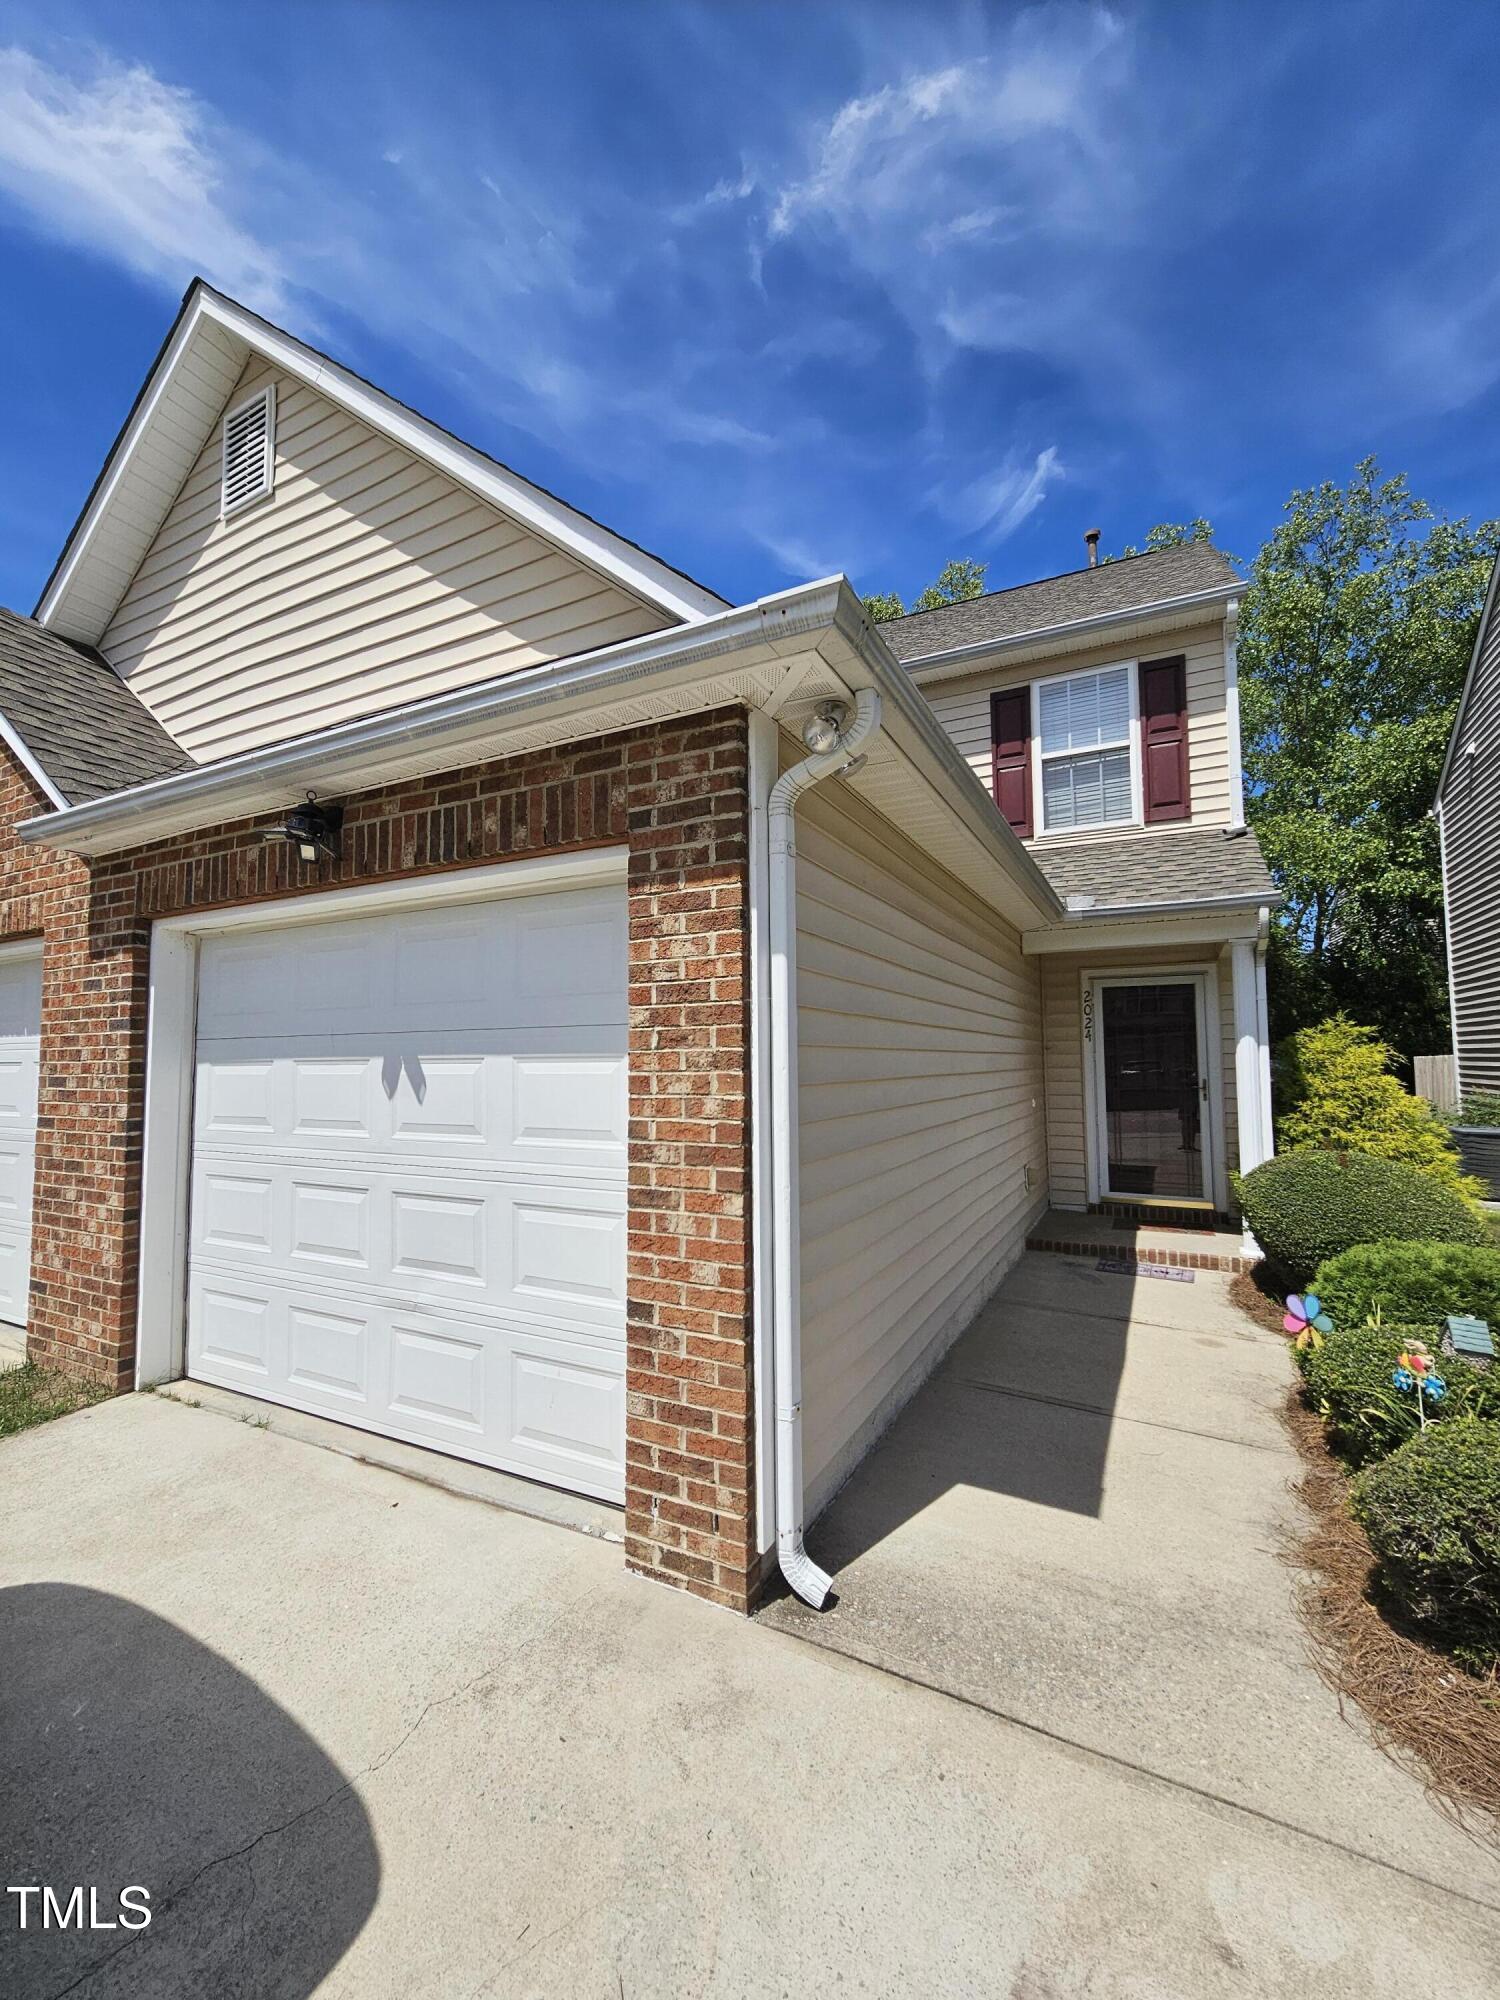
[
  {"x": 1348, "y": 1381},
  {"x": 1410, "y": 1284},
  {"x": 1480, "y": 1107},
  {"x": 1168, "y": 535},
  {"x": 1339, "y": 1093},
  {"x": 1432, "y": 1513},
  {"x": 32, "y": 1394},
  {"x": 884, "y": 605},
  {"x": 1307, "y": 1207},
  {"x": 959, "y": 580},
  {"x": 1355, "y": 636}
]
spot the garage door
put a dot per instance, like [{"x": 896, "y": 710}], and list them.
[
  {"x": 20, "y": 1036},
  {"x": 408, "y": 1195}
]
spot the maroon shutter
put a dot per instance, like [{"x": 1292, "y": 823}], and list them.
[
  {"x": 1164, "y": 743},
  {"x": 1010, "y": 756}
]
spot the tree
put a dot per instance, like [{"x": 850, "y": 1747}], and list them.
[
  {"x": 959, "y": 580},
  {"x": 1355, "y": 636},
  {"x": 1169, "y": 535}
]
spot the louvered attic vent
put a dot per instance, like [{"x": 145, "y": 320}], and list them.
[{"x": 249, "y": 451}]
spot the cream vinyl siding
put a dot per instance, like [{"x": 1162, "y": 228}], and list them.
[
  {"x": 963, "y": 708},
  {"x": 364, "y": 580},
  {"x": 1471, "y": 869},
  {"x": 920, "y": 1051},
  {"x": 1062, "y": 1011}
]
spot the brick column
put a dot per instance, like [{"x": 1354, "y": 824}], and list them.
[{"x": 689, "y": 1428}]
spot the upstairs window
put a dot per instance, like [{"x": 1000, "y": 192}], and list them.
[
  {"x": 1086, "y": 731},
  {"x": 249, "y": 462}
]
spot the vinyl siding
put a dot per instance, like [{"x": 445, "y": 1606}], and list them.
[
  {"x": 364, "y": 581},
  {"x": 1471, "y": 868},
  {"x": 1062, "y": 1012},
  {"x": 920, "y": 1098},
  {"x": 963, "y": 708}
]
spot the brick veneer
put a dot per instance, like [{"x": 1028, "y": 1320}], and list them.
[{"x": 677, "y": 794}]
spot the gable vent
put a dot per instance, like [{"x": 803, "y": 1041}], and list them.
[{"x": 249, "y": 451}]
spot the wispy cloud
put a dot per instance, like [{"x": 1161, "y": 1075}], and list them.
[
  {"x": 994, "y": 505},
  {"x": 122, "y": 164}
]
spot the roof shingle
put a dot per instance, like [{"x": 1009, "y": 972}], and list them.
[
  {"x": 75, "y": 715},
  {"x": 1126, "y": 585},
  {"x": 1193, "y": 864}
]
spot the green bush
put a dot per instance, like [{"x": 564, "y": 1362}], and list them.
[
  {"x": 1412, "y": 1284},
  {"x": 1348, "y": 1382},
  {"x": 1432, "y": 1513},
  {"x": 1342, "y": 1097},
  {"x": 1307, "y": 1207},
  {"x": 1480, "y": 1107}
]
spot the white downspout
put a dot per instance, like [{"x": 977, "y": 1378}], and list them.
[
  {"x": 801, "y": 1572},
  {"x": 1232, "y": 712}
]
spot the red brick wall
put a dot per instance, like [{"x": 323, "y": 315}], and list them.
[{"x": 677, "y": 794}]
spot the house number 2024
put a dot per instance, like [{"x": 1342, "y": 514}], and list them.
[{"x": 1088, "y": 1017}]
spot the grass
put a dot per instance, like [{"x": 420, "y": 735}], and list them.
[{"x": 31, "y": 1394}]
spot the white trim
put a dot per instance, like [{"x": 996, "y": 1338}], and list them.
[
  {"x": 955, "y": 659},
  {"x": 1461, "y": 724},
  {"x": 1131, "y": 746},
  {"x": 17, "y": 748},
  {"x": 1097, "y": 933},
  {"x": 642, "y": 574},
  {"x": 161, "y": 1304},
  {"x": 265, "y": 395},
  {"x": 1232, "y": 712},
  {"x": 1210, "y": 1071},
  {"x": 1244, "y": 988}
]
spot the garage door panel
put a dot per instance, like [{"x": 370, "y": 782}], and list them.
[
  {"x": 20, "y": 1036},
  {"x": 409, "y": 1211}
]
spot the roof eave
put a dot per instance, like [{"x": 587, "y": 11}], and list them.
[
  {"x": 961, "y": 659},
  {"x": 1460, "y": 716}
]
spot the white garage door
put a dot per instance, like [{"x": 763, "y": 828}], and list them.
[
  {"x": 408, "y": 1198},
  {"x": 20, "y": 1037}
]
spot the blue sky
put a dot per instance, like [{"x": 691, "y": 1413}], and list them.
[{"x": 783, "y": 290}]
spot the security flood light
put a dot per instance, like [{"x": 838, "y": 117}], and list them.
[{"x": 313, "y": 829}]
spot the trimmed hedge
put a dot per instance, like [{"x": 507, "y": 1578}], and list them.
[
  {"x": 1432, "y": 1513},
  {"x": 1348, "y": 1382},
  {"x": 1307, "y": 1207},
  {"x": 1412, "y": 1284}
]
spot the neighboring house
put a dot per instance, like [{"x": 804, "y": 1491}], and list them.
[
  {"x": 1468, "y": 816},
  {"x": 418, "y": 1008}
]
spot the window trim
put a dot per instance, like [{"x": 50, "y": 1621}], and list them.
[
  {"x": 266, "y": 394},
  {"x": 1131, "y": 744}
]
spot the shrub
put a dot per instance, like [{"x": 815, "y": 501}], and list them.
[
  {"x": 1343, "y": 1097},
  {"x": 1348, "y": 1382},
  {"x": 1480, "y": 1107},
  {"x": 1412, "y": 1284},
  {"x": 1306, "y": 1207},
  {"x": 1432, "y": 1513}
]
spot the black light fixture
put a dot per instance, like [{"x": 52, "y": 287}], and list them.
[{"x": 312, "y": 829}]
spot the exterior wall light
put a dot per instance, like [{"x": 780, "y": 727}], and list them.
[
  {"x": 312, "y": 829},
  {"x": 822, "y": 729}
]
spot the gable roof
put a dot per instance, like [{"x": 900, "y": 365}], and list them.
[
  {"x": 71, "y": 720},
  {"x": 1161, "y": 576},
  {"x": 174, "y": 415},
  {"x": 1461, "y": 715},
  {"x": 1199, "y": 864}
]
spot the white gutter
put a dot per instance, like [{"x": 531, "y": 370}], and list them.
[
  {"x": 801, "y": 1572},
  {"x": 13, "y": 742},
  {"x": 1184, "y": 907},
  {"x": 955, "y": 657},
  {"x": 1232, "y": 712}
]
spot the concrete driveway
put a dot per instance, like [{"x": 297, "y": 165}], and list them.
[{"x": 359, "y": 1736}]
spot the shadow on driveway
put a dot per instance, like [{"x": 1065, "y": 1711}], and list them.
[{"x": 134, "y": 1755}]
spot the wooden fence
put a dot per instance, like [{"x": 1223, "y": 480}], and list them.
[{"x": 1436, "y": 1080}]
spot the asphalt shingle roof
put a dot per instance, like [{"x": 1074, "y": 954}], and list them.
[
  {"x": 1188, "y": 865},
  {"x": 1057, "y": 600},
  {"x": 75, "y": 715}
]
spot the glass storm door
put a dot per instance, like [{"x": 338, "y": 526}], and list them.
[{"x": 1154, "y": 1090}]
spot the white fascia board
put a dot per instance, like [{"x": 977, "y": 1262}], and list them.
[
  {"x": 11, "y": 738},
  {"x": 1159, "y": 924},
  {"x": 957, "y": 660},
  {"x": 609, "y": 554},
  {"x": 437, "y": 732}
]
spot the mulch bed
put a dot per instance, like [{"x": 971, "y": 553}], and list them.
[
  {"x": 1437, "y": 1721},
  {"x": 1259, "y": 1296}
]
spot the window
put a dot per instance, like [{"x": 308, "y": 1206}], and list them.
[
  {"x": 1085, "y": 746},
  {"x": 249, "y": 466}
]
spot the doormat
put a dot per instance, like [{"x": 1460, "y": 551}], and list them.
[{"x": 1146, "y": 1271}]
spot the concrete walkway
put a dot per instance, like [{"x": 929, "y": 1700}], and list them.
[{"x": 363, "y": 1737}]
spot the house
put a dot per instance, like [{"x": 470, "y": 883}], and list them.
[
  {"x": 1468, "y": 817},
  {"x": 465, "y": 979}
]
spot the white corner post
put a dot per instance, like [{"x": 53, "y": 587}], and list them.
[
  {"x": 1232, "y": 712},
  {"x": 1250, "y": 1073},
  {"x": 1263, "y": 1013}
]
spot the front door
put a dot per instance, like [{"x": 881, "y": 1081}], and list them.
[{"x": 1152, "y": 1090}]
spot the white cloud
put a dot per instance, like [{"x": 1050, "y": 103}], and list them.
[
  {"x": 996, "y": 503},
  {"x": 122, "y": 164}
]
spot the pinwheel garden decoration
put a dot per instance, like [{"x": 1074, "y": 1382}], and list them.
[
  {"x": 1415, "y": 1371},
  {"x": 1306, "y": 1319}
]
